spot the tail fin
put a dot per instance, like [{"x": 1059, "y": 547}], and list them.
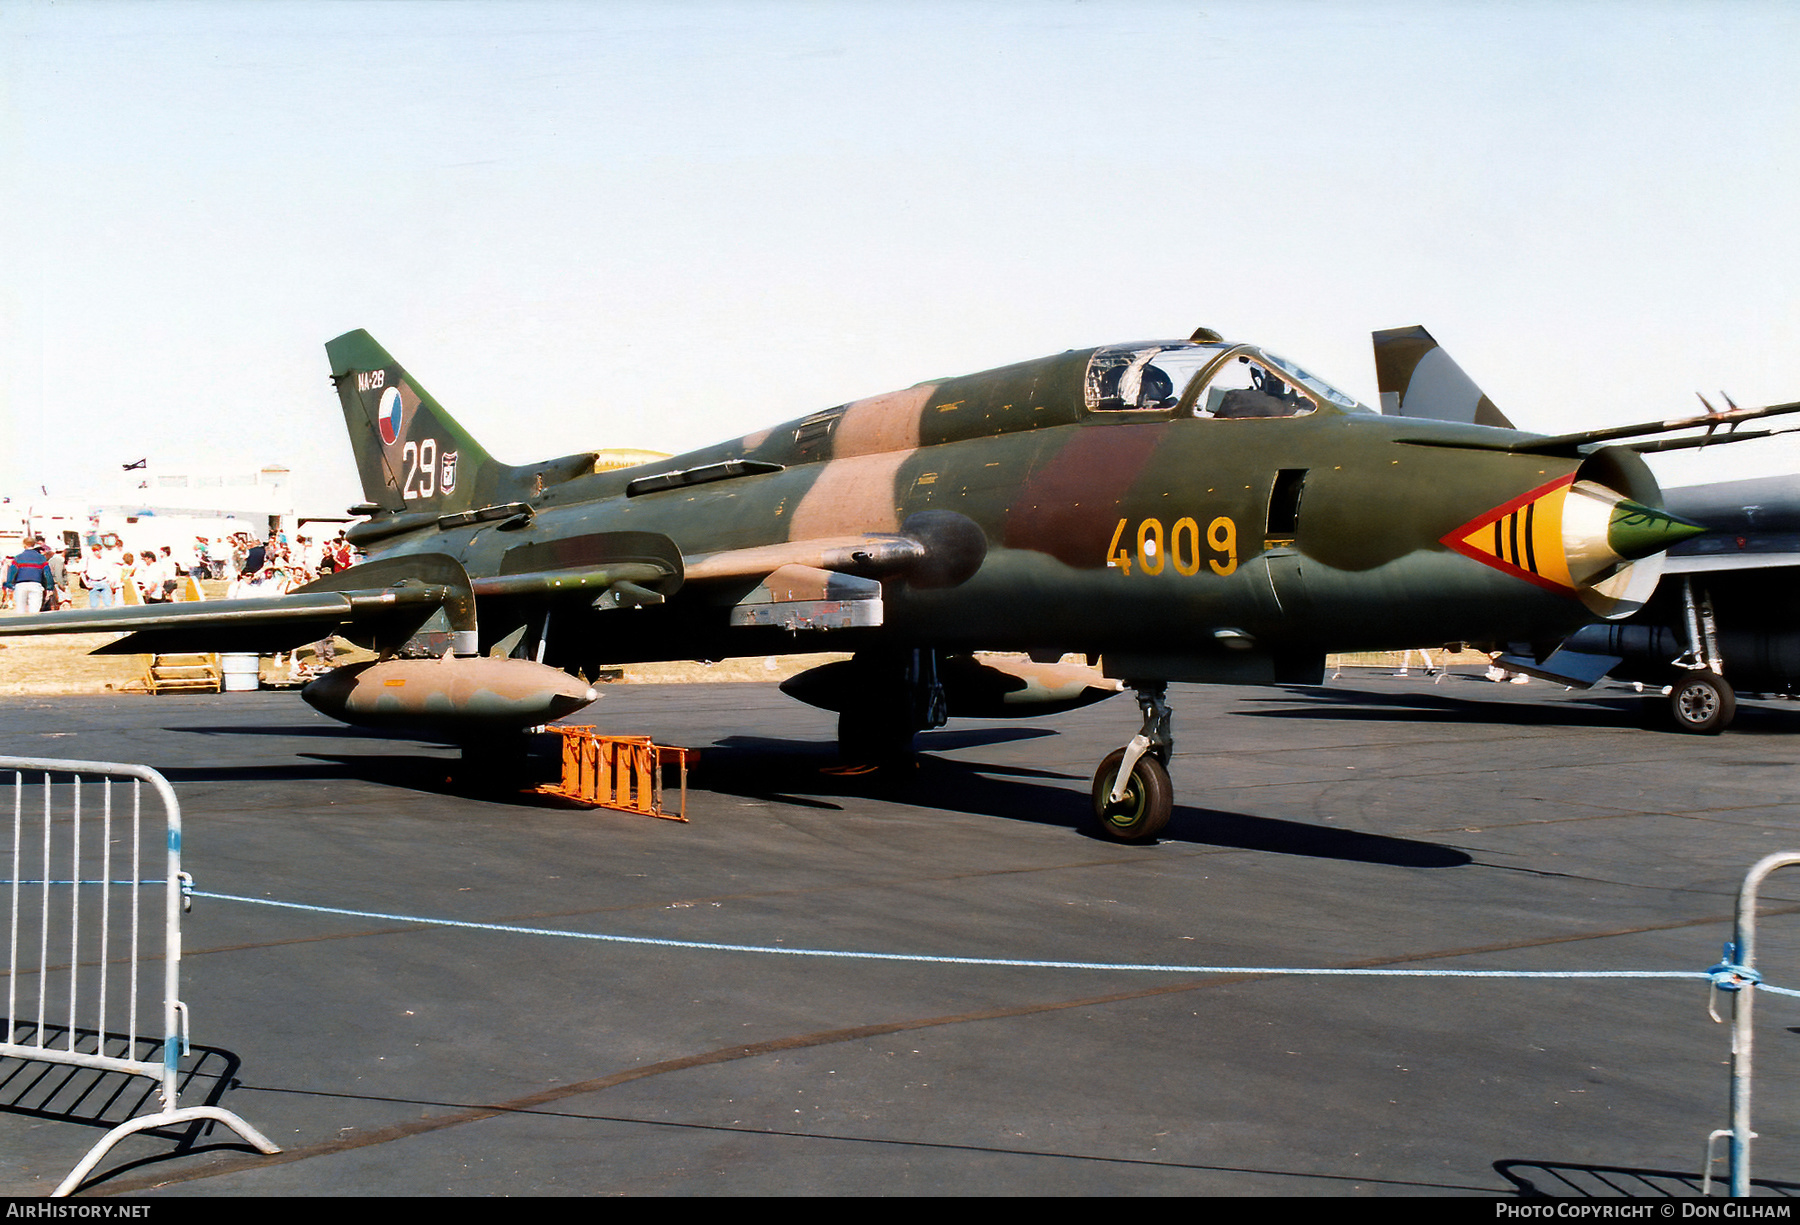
[
  {"x": 1418, "y": 379},
  {"x": 410, "y": 453}
]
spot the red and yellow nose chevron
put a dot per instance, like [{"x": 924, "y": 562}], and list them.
[{"x": 1568, "y": 535}]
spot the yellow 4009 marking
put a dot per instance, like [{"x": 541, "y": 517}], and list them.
[{"x": 1183, "y": 551}]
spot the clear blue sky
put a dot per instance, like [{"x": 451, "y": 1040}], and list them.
[{"x": 659, "y": 225}]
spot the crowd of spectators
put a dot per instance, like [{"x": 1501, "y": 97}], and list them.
[
  {"x": 42, "y": 577},
  {"x": 276, "y": 566}
]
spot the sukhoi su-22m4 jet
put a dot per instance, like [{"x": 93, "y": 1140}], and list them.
[{"x": 1179, "y": 510}]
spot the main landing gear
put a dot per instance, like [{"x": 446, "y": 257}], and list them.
[
  {"x": 1133, "y": 797},
  {"x": 902, "y": 696}
]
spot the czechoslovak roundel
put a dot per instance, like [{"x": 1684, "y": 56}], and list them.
[{"x": 389, "y": 416}]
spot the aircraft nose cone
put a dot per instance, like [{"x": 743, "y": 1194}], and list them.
[
  {"x": 1635, "y": 530},
  {"x": 1604, "y": 531}
]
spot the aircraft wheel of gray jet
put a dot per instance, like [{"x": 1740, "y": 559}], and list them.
[
  {"x": 1147, "y": 801},
  {"x": 1702, "y": 703}
]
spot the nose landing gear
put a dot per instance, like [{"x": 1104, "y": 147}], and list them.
[
  {"x": 1133, "y": 797},
  {"x": 1701, "y": 700}
]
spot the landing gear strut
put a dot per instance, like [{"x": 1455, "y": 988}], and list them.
[
  {"x": 1700, "y": 701},
  {"x": 1133, "y": 797},
  {"x": 903, "y": 697}
]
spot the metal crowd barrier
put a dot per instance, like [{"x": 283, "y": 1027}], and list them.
[
  {"x": 1737, "y": 976},
  {"x": 83, "y": 925}
]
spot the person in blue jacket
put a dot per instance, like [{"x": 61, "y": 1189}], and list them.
[{"x": 28, "y": 578}]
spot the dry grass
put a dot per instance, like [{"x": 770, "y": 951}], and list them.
[
  {"x": 1440, "y": 658},
  {"x": 62, "y": 664}
]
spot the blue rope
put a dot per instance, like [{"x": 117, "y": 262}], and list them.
[
  {"x": 1728, "y": 975},
  {"x": 1021, "y": 963}
]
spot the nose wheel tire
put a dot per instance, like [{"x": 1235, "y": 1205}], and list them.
[
  {"x": 1702, "y": 703},
  {"x": 1149, "y": 798}
]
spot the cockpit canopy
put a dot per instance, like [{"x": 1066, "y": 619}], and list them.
[{"x": 1207, "y": 380}]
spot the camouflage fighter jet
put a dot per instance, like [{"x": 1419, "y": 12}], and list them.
[{"x": 1180, "y": 510}]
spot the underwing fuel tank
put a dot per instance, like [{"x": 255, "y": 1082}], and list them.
[
  {"x": 986, "y": 687},
  {"x": 457, "y": 696}
]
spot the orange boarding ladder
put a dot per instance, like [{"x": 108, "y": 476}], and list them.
[{"x": 620, "y": 772}]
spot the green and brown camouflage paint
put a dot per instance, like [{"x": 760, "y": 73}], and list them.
[{"x": 1179, "y": 547}]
